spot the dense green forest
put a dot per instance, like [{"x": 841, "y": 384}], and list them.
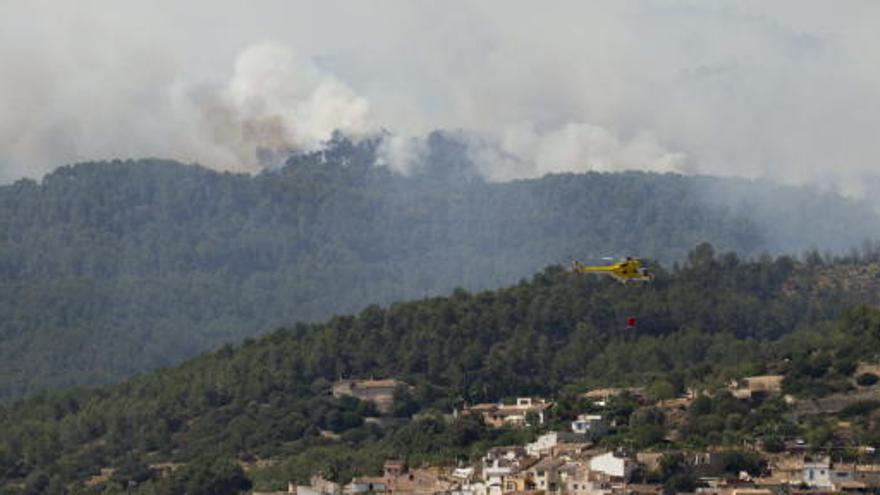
[
  {"x": 712, "y": 319},
  {"x": 111, "y": 268}
]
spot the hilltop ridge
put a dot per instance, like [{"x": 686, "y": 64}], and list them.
[
  {"x": 113, "y": 268},
  {"x": 715, "y": 319}
]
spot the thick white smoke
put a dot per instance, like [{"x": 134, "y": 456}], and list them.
[
  {"x": 94, "y": 97},
  {"x": 523, "y": 151},
  {"x": 788, "y": 90},
  {"x": 402, "y": 153},
  {"x": 274, "y": 102}
]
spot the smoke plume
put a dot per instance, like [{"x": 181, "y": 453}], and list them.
[
  {"x": 274, "y": 102},
  {"x": 787, "y": 90}
]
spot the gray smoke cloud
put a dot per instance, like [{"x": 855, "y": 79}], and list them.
[
  {"x": 787, "y": 90},
  {"x": 272, "y": 102}
]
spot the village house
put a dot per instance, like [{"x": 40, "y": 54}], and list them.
[
  {"x": 757, "y": 386},
  {"x": 600, "y": 483},
  {"x": 822, "y": 473},
  {"x": 365, "y": 484},
  {"x": 518, "y": 482},
  {"x": 570, "y": 451},
  {"x": 817, "y": 472},
  {"x": 601, "y": 396},
  {"x": 379, "y": 392},
  {"x": 522, "y": 413},
  {"x": 616, "y": 467},
  {"x": 604, "y": 474},
  {"x": 472, "y": 488},
  {"x": 502, "y": 463},
  {"x": 868, "y": 474},
  {"x": 591, "y": 425},
  {"x": 578, "y": 479},
  {"x": 419, "y": 482},
  {"x": 467, "y": 482},
  {"x": 546, "y": 475},
  {"x": 518, "y": 478},
  {"x": 509, "y": 452},
  {"x": 296, "y": 490},
  {"x": 706, "y": 463},
  {"x": 398, "y": 479},
  {"x": 463, "y": 475},
  {"x": 785, "y": 469},
  {"x": 548, "y": 443},
  {"x": 318, "y": 484}
]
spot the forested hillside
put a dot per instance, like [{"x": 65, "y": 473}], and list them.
[
  {"x": 111, "y": 268},
  {"x": 714, "y": 319}
]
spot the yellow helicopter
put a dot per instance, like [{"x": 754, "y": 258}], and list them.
[{"x": 628, "y": 270}]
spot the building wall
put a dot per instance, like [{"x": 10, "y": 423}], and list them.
[
  {"x": 817, "y": 475},
  {"x": 543, "y": 443},
  {"x": 609, "y": 464}
]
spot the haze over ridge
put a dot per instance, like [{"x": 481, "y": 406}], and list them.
[{"x": 782, "y": 90}]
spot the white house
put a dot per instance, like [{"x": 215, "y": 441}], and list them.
[
  {"x": 589, "y": 424},
  {"x": 613, "y": 466},
  {"x": 579, "y": 480},
  {"x": 817, "y": 473},
  {"x": 463, "y": 474},
  {"x": 525, "y": 410},
  {"x": 477, "y": 488},
  {"x": 542, "y": 444},
  {"x": 545, "y": 443}
]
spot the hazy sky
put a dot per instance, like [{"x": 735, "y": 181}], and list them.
[{"x": 783, "y": 89}]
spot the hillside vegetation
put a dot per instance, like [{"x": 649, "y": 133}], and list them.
[
  {"x": 111, "y": 268},
  {"x": 714, "y": 319}
]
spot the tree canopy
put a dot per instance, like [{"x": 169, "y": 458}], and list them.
[
  {"x": 113, "y": 268},
  {"x": 715, "y": 319}
]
